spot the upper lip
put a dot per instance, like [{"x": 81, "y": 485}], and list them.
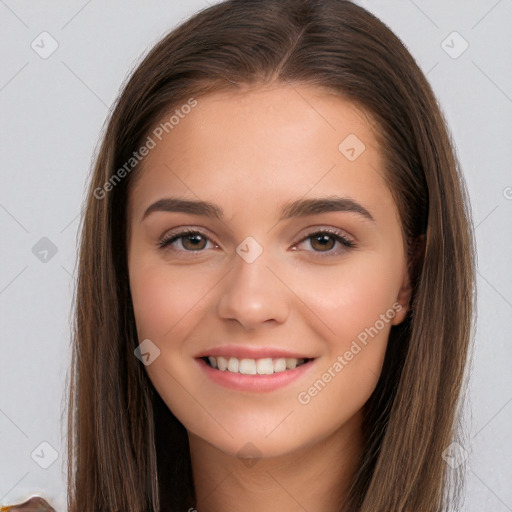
[{"x": 245, "y": 352}]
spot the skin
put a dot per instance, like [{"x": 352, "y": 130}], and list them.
[{"x": 249, "y": 152}]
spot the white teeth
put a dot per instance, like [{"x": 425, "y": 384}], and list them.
[
  {"x": 291, "y": 363},
  {"x": 266, "y": 366},
  {"x": 233, "y": 365},
  {"x": 280, "y": 365},
  {"x": 247, "y": 366},
  {"x": 222, "y": 363}
]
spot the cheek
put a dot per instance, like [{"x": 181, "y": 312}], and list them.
[
  {"x": 359, "y": 312},
  {"x": 162, "y": 297},
  {"x": 350, "y": 298},
  {"x": 357, "y": 303}
]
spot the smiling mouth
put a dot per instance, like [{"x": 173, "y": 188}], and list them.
[{"x": 265, "y": 366}]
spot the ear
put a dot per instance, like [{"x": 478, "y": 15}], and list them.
[{"x": 415, "y": 258}]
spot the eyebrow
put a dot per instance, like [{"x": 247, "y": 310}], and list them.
[{"x": 298, "y": 208}]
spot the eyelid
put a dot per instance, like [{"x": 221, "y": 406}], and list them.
[{"x": 326, "y": 229}]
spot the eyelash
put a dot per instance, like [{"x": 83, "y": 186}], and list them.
[{"x": 166, "y": 241}]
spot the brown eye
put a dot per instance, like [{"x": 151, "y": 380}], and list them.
[
  {"x": 191, "y": 241},
  {"x": 323, "y": 242}
]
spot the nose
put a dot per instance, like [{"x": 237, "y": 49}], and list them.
[{"x": 254, "y": 294}]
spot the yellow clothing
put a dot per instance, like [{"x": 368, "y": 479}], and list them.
[{"x": 35, "y": 504}]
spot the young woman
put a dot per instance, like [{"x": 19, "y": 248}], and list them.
[{"x": 275, "y": 290}]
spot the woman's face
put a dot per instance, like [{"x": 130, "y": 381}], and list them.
[{"x": 260, "y": 282}]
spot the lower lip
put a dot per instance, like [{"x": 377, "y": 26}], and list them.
[{"x": 257, "y": 383}]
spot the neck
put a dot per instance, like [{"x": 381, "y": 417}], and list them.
[{"x": 313, "y": 478}]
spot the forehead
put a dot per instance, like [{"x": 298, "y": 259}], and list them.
[{"x": 264, "y": 142}]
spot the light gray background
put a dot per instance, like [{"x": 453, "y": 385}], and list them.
[{"x": 52, "y": 112}]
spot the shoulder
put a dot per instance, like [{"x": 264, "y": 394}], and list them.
[{"x": 35, "y": 504}]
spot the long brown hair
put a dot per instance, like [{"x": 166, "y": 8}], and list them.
[{"x": 127, "y": 451}]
